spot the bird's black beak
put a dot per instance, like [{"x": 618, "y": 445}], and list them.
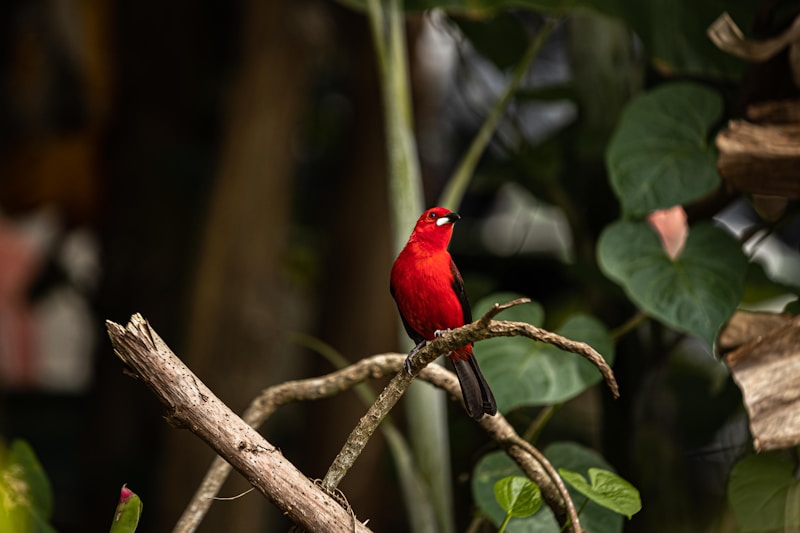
[{"x": 448, "y": 219}]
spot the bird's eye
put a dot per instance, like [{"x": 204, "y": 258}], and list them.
[{"x": 431, "y": 215}]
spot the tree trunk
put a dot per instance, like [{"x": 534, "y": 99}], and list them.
[{"x": 235, "y": 330}]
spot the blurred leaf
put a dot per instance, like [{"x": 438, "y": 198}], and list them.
[
  {"x": 129, "y": 510},
  {"x": 761, "y": 490},
  {"x": 500, "y": 38},
  {"x": 607, "y": 489},
  {"x": 518, "y": 496},
  {"x": 497, "y": 465},
  {"x": 660, "y": 155},
  {"x": 26, "y": 499},
  {"x": 523, "y": 372},
  {"x": 696, "y": 293},
  {"x": 759, "y": 286},
  {"x": 673, "y": 33},
  {"x": 532, "y": 312}
]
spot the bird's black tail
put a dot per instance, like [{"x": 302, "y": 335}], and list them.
[{"x": 478, "y": 397}]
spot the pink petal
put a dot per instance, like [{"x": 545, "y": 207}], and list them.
[{"x": 670, "y": 224}]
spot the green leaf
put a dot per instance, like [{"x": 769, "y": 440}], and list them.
[
  {"x": 696, "y": 293},
  {"x": 491, "y": 469},
  {"x": 607, "y": 489},
  {"x": 673, "y": 33},
  {"x": 764, "y": 494},
  {"x": 518, "y": 496},
  {"x": 660, "y": 155},
  {"x": 523, "y": 372},
  {"x": 26, "y": 500},
  {"x": 128, "y": 512},
  {"x": 497, "y": 465}
]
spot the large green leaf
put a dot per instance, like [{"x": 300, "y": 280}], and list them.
[
  {"x": 696, "y": 293},
  {"x": 523, "y": 372},
  {"x": 498, "y": 465},
  {"x": 661, "y": 154},
  {"x": 764, "y": 493}
]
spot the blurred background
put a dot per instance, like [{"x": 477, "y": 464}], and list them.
[{"x": 220, "y": 168}]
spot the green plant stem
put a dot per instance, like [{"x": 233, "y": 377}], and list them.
[
  {"x": 629, "y": 325},
  {"x": 535, "y": 428},
  {"x": 405, "y": 183},
  {"x": 506, "y": 520},
  {"x": 580, "y": 510},
  {"x": 457, "y": 184},
  {"x": 426, "y": 406}
]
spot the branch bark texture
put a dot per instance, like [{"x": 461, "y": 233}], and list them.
[{"x": 192, "y": 405}]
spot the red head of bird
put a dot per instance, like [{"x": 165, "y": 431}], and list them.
[{"x": 434, "y": 228}]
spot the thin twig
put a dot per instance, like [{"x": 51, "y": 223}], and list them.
[{"x": 483, "y": 328}]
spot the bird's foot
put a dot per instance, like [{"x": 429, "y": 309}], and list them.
[
  {"x": 439, "y": 332},
  {"x": 412, "y": 353}
]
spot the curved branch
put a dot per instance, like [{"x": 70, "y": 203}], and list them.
[
  {"x": 483, "y": 328},
  {"x": 138, "y": 344},
  {"x": 530, "y": 460},
  {"x": 194, "y": 406}
]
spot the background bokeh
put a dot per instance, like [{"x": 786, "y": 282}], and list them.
[{"x": 220, "y": 168}]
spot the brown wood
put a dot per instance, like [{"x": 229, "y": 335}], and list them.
[
  {"x": 744, "y": 326},
  {"x": 192, "y": 405},
  {"x": 767, "y": 369},
  {"x": 760, "y": 159}
]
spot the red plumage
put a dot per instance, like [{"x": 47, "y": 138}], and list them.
[{"x": 430, "y": 296}]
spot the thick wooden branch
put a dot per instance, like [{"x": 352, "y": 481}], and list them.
[{"x": 192, "y": 405}]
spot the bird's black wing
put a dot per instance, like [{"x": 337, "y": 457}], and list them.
[{"x": 458, "y": 288}]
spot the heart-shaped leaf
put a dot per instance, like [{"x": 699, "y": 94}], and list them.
[
  {"x": 497, "y": 465},
  {"x": 761, "y": 490},
  {"x": 523, "y": 372},
  {"x": 518, "y": 496},
  {"x": 607, "y": 489},
  {"x": 660, "y": 155},
  {"x": 696, "y": 293}
]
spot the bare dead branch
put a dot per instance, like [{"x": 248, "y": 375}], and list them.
[
  {"x": 530, "y": 460},
  {"x": 192, "y": 405}
]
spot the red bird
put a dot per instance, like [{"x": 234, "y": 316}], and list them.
[{"x": 430, "y": 296}]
